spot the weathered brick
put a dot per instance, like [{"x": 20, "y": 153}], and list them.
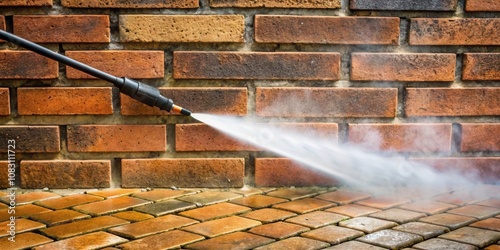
[
  {"x": 452, "y": 102},
  {"x": 482, "y": 5},
  {"x": 130, "y": 4},
  {"x": 2, "y": 25},
  {"x": 24, "y": 241},
  {"x": 26, "y": 3},
  {"x": 481, "y": 66},
  {"x": 82, "y": 227},
  {"x": 65, "y": 174},
  {"x": 129, "y": 63},
  {"x": 117, "y": 138},
  {"x": 182, "y": 28},
  {"x": 326, "y": 102},
  {"x": 4, "y": 171},
  {"x": 201, "y": 137},
  {"x": 4, "y": 101},
  {"x": 430, "y": 5},
  {"x": 63, "y": 28},
  {"x": 256, "y": 65},
  {"x": 31, "y": 139},
  {"x": 186, "y": 172},
  {"x": 220, "y": 100},
  {"x": 446, "y": 31},
  {"x": 326, "y": 29},
  {"x": 87, "y": 241},
  {"x": 402, "y": 137},
  {"x": 403, "y": 67},
  {"x": 477, "y": 168},
  {"x": 64, "y": 101},
  {"x": 317, "y": 4},
  {"x": 480, "y": 137},
  {"x": 272, "y": 172},
  {"x": 26, "y": 65}
]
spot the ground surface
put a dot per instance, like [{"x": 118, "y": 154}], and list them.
[{"x": 290, "y": 218}]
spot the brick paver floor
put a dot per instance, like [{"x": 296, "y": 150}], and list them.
[{"x": 251, "y": 218}]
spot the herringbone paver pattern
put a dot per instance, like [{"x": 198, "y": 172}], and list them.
[{"x": 287, "y": 218}]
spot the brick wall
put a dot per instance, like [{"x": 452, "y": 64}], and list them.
[{"x": 408, "y": 70}]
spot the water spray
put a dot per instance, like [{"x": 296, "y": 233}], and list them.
[{"x": 139, "y": 91}]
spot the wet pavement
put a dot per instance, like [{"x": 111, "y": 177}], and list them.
[{"x": 253, "y": 218}]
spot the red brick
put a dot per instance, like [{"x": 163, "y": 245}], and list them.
[
  {"x": 326, "y": 102},
  {"x": 117, "y": 138},
  {"x": 4, "y": 101},
  {"x": 31, "y": 139},
  {"x": 326, "y": 29},
  {"x": 110, "y": 205},
  {"x": 420, "y": 67},
  {"x": 295, "y": 243},
  {"x": 175, "y": 238},
  {"x": 256, "y": 65},
  {"x": 81, "y": 227},
  {"x": 430, "y": 5},
  {"x": 463, "y": 31},
  {"x": 27, "y": 3},
  {"x": 4, "y": 171},
  {"x": 208, "y": 197},
  {"x": 278, "y": 230},
  {"x": 317, "y": 219},
  {"x": 182, "y": 28},
  {"x": 186, "y": 172},
  {"x": 305, "y": 205},
  {"x": 320, "y": 4},
  {"x": 218, "y": 227},
  {"x": 215, "y": 211},
  {"x": 481, "y": 66},
  {"x": 343, "y": 196},
  {"x": 163, "y": 194},
  {"x": 480, "y": 137},
  {"x": 490, "y": 224},
  {"x": 296, "y": 193},
  {"x": 272, "y": 172},
  {"x": 2, "y": 25},
  {"x": 153, "y": 226},
  {"x": 402, "y": 137},
  {"x": 133, "y": 216},
  {"x": 229, "y": 101},
  {"x": 114, "y": 193},
  {"x": 452, "y": 102},
  {"x": 237, "y": 240},
  {"x": 59, "y": 217},
  {"x": 87, "y": 241},
  {"x": 68, "y": 201},
  {"x": 63, "y": 28},
  {"x": 22, "y": 211},
  {"x": 31, "y": 197},
  {"x": 123, "y": 63},
  {"x": 383, "y": 202},
  {"x": 130, "y": 4},
  {"x": 64, "y": 101},
  {"x": 333, "y": 234},
  {"x": 24, "y": 241},
  {"x": 428, "y": 206},
  {"x": 482, "y": 5},
  {"x": 258, "y": 201},
  {"x": 26, "y": 65},
  {"x": 353, "y": 210},
  {"x": 268, "y": 215},
  {"x": 480, "y": 168},
  {"x": 22, "y": 225},
  {"x": 65, "y": 174},
  {"x": 480, "y": 212}
]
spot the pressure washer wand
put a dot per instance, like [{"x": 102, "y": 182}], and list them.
[{"x": 137, "y": 90}]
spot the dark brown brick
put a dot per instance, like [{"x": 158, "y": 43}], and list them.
[
  {"x": 220, "y": 100},
  {"x": 64, "y": 101},
  {"x": 31, "y": 139},
  {"x": 4, "y": 171},
  {"x": 429, "y": 5},
  {"x": 207, "y": 172},
  {"x": 130, "y": 4},
  {"x": 65, "y": 174},
  {"x": 326, "y": 29},
  {"x": 446, "y": 31},
  {"x": 319, "y": 4},
  {"x": 123, "y": 63},
  {"x": 452, "y": 102},
  {"x": 26, "y": 3},
  {"x": 4, "y": 101},
  {"x": 256, "y": 65},
  {"x": 26, "y": 65},
  {"x": 326, "y": 102},
  {"x": 63, "y": 28},
  {"x": 117, "y": 138},
  {"x": 480, "y": 137},
  {"x": 182, "y": 28},
  {"x": 402, "y": 137},
  {"x": 403, "y": 67},
  {"x": 481, "y": 66},
  {"x": 272, "y": 172},
  {"x": 2, "y": 25},
  {"x": 482, "y": 5}
]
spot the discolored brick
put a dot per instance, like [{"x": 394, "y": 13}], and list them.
[
  {"x": 222, "y": 226},
  {"x": 182, "y": 28},
  {"x": 425, "y": 5},
  {"x": 480, "y": 137},
  {"x": 26, "y": 65},
  {"x": 64, "y": 101},
  {"x": 268, "y": 215},
  {"x": 31, "y": 139},
  {"x": 133, "y": 216},
  {"x": 452, "y": 102},
  {"x": 123, "y": 63},
  {"x": 117, "y": 138},
  {"x": 175, "y": 238},
  {"x": 256, "y": 65},
  {"x": 215, "y": 211},
  {"x": 295, "y": 243},
  {"x": 403, "y": 67},
  {"x": 237, "y": 240},
  {"x": 279, "y": 230},
  {"x": 367, "y": 225},
  {"x": 428, "y": 206},
  {"x": 326, "y": 102},
  {"x": 490, "y": 203},
  {"x": 325, "y": 29},
  {"x": 81, "y": 227},
  {"x": 481, "y": 168},
  {"x": 4, "y": 101},
  {"x": 21, "y": 226},
  {"x": 443, "y": 244},
  {"x": 383, "y": 202},
  {"x": 295, "y": 193},
  {"x": 481, "y": 66},
  {"x": 210, "y": 197},
  {"x": 87, "y": 241},
  {"x": 482, "y": 5},
  {"x": 26, "y": 3},
  {"x": 354, "y": 245},
  {"x": 475, "y": 211},
  {"x": 186, "y": 172},
  {"x": 474, "y": 236},
  {"x": 68, "y": 201},
  {"x": 397, "y": 215},
  {"x": 320, "y": 4},
  {"x": 26, "y": 198},
  {"x": 456, "y": 31},
  {"x": 489, "y": 224},
  {"x": 317, "y": 219},
  {"x": 23, "y": 211},
  {"x": 110, "y": 205},
  {"x": 24, "y": 241},
  {"x": 115, "y": 192},
  {"x": 344, "y": 196},
  {"x": 152, "y": 226},
  {"x": 391, "y": 239},
  {"x": 133, "y": 5},
  {"x": 58, "y": 217},
  {"x": 65, "y": 174},
  {"x": 423, "y": 229},
  {"x": 162, "y": 194},
  {"x": 304, "y": 205},
  {"x": 165, "y": 207},
  {"x": 63, "y": 28},
  {"x": 451, "y": 221},
  {"x": 333, "y": 234},
  {"x": 230, "y": 101},
  {"x": 353, "y": 210}
]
